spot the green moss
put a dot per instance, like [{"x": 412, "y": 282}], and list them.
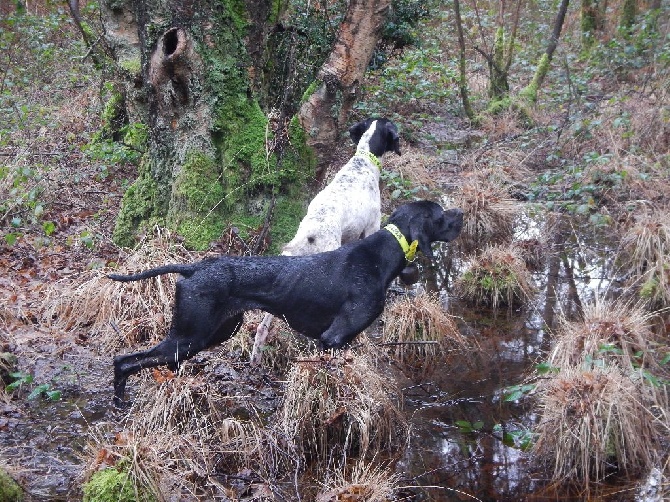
[
  {"x": 113, "y": 485},
  {"x": 132, "y": 66},
  {"x": 529, "y": 93},
  {"x": 309, "y": 91},
  {"x": 137, "y": 208},
  {"x": 289, "y": 210},
  {"x": 10, "y": 491},
  {"x": 197, "y": 201},
  {"x": 113, "y": 117}
]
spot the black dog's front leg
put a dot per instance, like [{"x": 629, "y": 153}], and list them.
[{"x": 345, "y": 327}]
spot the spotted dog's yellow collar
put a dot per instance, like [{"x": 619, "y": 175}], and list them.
[
  {"x": 408, "y": 249},
  {"x": 373, "y": 158}
]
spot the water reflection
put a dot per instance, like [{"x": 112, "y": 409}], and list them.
[{"x": 448, "y": 459}]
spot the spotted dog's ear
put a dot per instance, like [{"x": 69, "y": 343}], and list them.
[
  {"x": 393, "y": 141},
  {"x": 356, "y": 131}
]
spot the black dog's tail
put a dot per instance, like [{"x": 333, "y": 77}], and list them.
[{"x": 185, "y": 270}]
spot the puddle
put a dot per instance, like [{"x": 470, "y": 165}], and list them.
[{"x": 459, "y": 415}]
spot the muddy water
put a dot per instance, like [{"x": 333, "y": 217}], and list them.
[
  {"x": 460, "y": 415},
  {"x": 468, "y": 441}
]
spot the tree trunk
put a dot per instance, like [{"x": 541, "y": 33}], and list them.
[
  {"x": 212, "y": 159},
  {"x": 592, "y": 21},
  {"x": 326, "y": 109},
  {"x": 530, "y": 92},
  {"x": 463, "y": 84},
  {"x": 628, "y": 14}
]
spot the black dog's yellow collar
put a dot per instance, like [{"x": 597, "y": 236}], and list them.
[
  {"x": 408, "y": 249},
  {"x": 373, "y": 158}
]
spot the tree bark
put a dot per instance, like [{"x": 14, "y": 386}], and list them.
[
  {"x": 212, "y": 155},
  {"x": 326, "y": 109},
  {"x": 463, "y": 84}
]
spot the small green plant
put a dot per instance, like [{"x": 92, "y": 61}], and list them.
[
  {"x": 468, "y": 427},
  {"x": 400, "y": 187},
  {"x": 21, "y": 379},
  {"x": 521, "y": 439},
  {"x": 9, "y": 489},
  {"x": 517, "y": 392},
  {"x": 109, "y": 485}
]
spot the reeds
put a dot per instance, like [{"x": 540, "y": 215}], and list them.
[
  {"x": 604, "y": 407},
  {"x": 341, "y": 408},
  {"x": 489, "y": 212},
  {"x": 645, "y": 247},
  {"x": 593, "y": 422}
]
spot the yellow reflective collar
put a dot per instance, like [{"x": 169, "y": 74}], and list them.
[
  {"x": 369, "y": 155},
  {"x": 408, "y": 249}
]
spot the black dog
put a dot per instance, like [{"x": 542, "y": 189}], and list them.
[{"x": 329, "y": 296}]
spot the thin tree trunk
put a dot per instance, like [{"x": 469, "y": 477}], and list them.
[
  {"x": 325, "y": 112},
  {"x": 530, "y": 92},
  {"x": 463, "y": 84}
]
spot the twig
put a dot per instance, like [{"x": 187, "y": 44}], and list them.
[{"x": 424, "y": 342}]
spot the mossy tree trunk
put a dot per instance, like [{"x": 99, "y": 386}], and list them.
[
  {"x": 212, "y": 158},
  {"x": 530, "y": 92},
  {"x": 326, "y": 108},
  {"x": 501, "y": 54}
]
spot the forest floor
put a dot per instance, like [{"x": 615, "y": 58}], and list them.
[{"x": 58, "y": 208}]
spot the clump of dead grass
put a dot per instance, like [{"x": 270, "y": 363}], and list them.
[
  {"x": 489, "y": 212},
  {"x": 176, "y": 439},
  {"x": 366, "y": 482},
  {"x": 337, "y": 408},
  {"x": 118, "y": 313},
  {"x": 613, "y": 331},
  {"x": 497, "y": 277},
  {"x": 594, "y": 421},
  {"x": 418, "y": 332},
  {"x": 645, "y": 247}
]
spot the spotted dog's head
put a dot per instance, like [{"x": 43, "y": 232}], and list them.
[{"x": 378, "y": 135}]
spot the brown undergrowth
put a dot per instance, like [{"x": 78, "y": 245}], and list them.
[
  {"x": 118, "y": 314},
  {"x": 604, "y": 406},
  {"x": 418, "y": 333}
]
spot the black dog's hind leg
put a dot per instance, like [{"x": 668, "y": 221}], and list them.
[{"x": 171, "y": 351}]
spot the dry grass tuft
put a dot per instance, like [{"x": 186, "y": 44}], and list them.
[
  {"x": 610, "y": 330},
  {"x": 337, "y": 408},
  {"x": 418, "y": 332},
  {"x": 365, "y": 483},
  {"x": 497, "y": 277},
  {"x": 282, "y": 347},
  {"x": 594, "y": 421},
  {"x": 645, "y": 247},
  {"x": 489, "y": 212},
  {"x": 140, "y": 310}
]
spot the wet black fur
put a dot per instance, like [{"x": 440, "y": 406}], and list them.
[{"x": 329, "y": 296}]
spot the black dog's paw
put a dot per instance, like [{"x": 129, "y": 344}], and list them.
[{"x": 122, "y": 404}]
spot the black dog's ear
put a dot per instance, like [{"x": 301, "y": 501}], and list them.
[
  {"x": 356, "y": 131},
  {"x": 418, "y": 231},
  {"x": 393, "y": 144}
]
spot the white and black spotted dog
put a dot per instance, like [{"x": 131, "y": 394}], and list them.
[{"x": 348, "y": 208}]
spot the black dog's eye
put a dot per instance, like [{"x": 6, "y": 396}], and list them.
[{"x": 310, "y": 240}]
